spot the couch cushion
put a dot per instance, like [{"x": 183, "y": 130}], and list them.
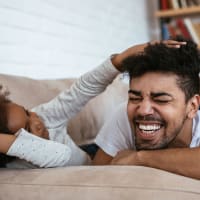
[
  {"x": 96, "y": 182},
  {"x": 30, "y": 92},
  {"x": 83, "y": 127}
]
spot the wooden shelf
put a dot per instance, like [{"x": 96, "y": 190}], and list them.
[{"x": 178, "y": 12}]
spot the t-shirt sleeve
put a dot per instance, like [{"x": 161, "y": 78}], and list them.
[
  {"x": 45, "y": 153},
  {"x": 115, "y": 135}
]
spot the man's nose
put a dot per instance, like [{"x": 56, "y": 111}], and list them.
[{"x": 145, "y": 108}]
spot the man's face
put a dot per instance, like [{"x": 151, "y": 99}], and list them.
[
  {"x": 18, "y": 117},
  {"x": 156, "y": 109}
]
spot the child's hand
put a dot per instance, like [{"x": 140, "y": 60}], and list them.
[
  {"x": 170, "y": 43},
  {"x": 134, "y": 50}
]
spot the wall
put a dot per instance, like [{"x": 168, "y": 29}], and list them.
[{"x": 64, "y": 38}]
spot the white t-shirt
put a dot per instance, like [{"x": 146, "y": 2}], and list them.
[
  {"x": 60, "y": 150},
  {"x": 116, "y": 134}
]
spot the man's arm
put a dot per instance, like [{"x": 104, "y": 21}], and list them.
[
  {"x": 102, "y": 158},
  {"x": 114, "y": 136},
  {"x": 183, "y": 161}
]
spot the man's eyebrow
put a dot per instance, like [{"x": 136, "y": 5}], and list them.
[
  {"x": 153, "y": 94},
  {"x": 135, "y": 92},
  {"x": 158, "y": 94}
]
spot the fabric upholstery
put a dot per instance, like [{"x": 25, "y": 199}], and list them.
[{"x": 96, "y": 182}]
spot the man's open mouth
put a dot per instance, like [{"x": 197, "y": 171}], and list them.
[{"x": 149, "y": 128}]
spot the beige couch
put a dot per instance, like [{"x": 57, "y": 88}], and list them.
[{"x": 87, "y": 182}]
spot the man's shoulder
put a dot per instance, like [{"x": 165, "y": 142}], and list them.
[
  {"x": 121, "y": 112},
  {"x": 122, "y": 107},
  {"x": 121, "y": 119},
  {"x": 196, "y": 131},
  {"x": 197, "y": 118}
]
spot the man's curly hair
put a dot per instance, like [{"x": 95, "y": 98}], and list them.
[{"x": 183, "y": 62}]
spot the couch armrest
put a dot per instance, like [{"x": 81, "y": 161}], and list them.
[{"x": 96, "y": 182}]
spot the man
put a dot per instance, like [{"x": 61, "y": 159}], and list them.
[{"x": 159, "y": 127}]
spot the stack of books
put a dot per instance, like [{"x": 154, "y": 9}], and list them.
[
  {"x": 183, "y": 26},
  {"x": 176, "y": 4}
]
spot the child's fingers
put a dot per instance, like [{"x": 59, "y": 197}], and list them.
[
  {"x": 173, "y": 43},
  {"x": 169, "y": 43}
]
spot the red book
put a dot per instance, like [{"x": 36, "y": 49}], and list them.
[
  {"x": 172, "y": 31},
  {"x": 183, "y": 28},
  {"x": 164, "y": 4}
]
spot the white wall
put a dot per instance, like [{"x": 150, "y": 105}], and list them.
[{"x": 65, "y": 38}]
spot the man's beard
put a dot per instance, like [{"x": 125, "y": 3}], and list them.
[{"x": 163, "y": 142}]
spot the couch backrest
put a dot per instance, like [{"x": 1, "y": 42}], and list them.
[{"x": 83, "y": 127}]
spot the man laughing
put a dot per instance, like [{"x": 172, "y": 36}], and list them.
[{"x": 159, "y": 126}]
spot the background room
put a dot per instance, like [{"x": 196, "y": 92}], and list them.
[
  {"x": 46, "y": 39},
  {"x": 62, "y": 38}
]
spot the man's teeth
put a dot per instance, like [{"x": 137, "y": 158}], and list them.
[{"x": 149, "y": 128}]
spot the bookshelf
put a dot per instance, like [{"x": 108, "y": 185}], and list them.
[
  {"x": 180, "y": 12},
  {"x": 176, "y": 19}
]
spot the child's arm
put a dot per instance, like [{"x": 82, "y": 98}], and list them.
[
  {"x": 39, "y": 151},
  {"x": 5, "y": 142},
  {"x": 69, "y": 102}
]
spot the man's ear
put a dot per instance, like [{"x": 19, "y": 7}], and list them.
[{"x": 194, "y": 104}]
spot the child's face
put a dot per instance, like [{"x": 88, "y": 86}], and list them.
[{"x": 18, "y": 117}]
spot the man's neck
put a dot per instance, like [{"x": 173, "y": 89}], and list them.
[{"x": 184, "y": 138}]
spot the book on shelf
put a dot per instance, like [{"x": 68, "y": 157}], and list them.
[
  {"x": 176, "y": 4},
  {"x": 183, "y": 3},
  {"x": 181, "y": 27},
  {"x": 192, "y": 30},
  {"x": 165, "y": 31},
  {"x": 172, "y": 25},
  {"x": 164, "y": 4},
  {"x": 173, "y": 31},
  {"x": 193, "y": 2},
  {"x": 197, "y": 29}
]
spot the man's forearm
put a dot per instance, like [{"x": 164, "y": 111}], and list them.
[{"x": 184, "y": 161}]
